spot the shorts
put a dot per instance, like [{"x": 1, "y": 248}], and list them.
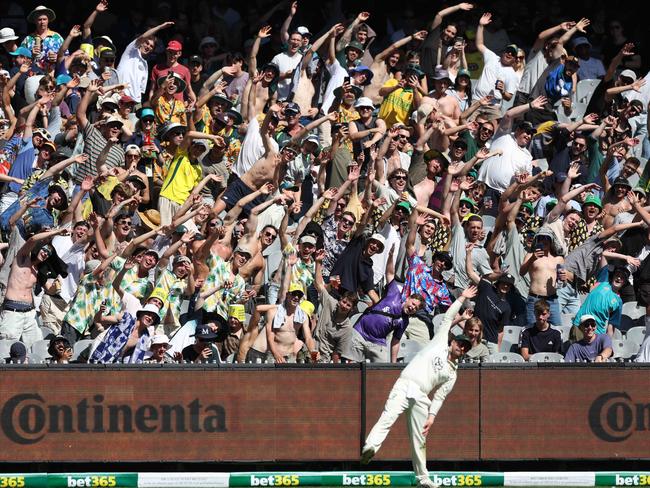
[{"x": 235, "y": 192}]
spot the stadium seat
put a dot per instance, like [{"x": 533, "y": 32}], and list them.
[
  {"x": 567, "y": 319},
  {"x": 565, "y": 331},
  {"x": 231, "y": 358},
  {"x": 633, "y": 310},
  {"x": 636, "y": 335},
  {"x": 407, "y": 349},
  {"x": 362, "y": 306},
  {"x": 47, "y": 333},
  {"x": 34, "y": 358},
  {"x": 546, "y": 357},
  {"x": 585, "y": 89},
  {"x": 634, "y": 180},
  {"x": 624, "y": 349},
  {"x": 79, "y": 347},
  {"x": 510, "y": 341},
  {"x": 504, "y": 357},
  {"x": 5, "y": 346},
  {"x": 541, "y": 163},
  {"x": 39, "y": 348},
  {"x": 618, "y": 335}
]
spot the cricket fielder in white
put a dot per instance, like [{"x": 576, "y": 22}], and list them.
[{"x": 432, "y": 369}]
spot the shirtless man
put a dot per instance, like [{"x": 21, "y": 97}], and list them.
[
  {"x": 385, "y": 63},
  {"x": 447, "y": 105},
  {"x": 436, "y": 163},
  {"x": 615, "y": 201},
  {"x": 270, "y": 168},
  {"x": 283, "y": 324},
  {"x": 18, "y": 315},
  {"x": 542, "y": 265}
]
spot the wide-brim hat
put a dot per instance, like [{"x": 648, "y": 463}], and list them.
[
  {"x": 221, "y": 99},
  {"x": 152, "y": 309},
  {"x": 338, "y": 92},
  {"x": 178, "y": 79},
  {"x": 355, "y": 45},
  {"x": 238, "y": 119},
  {"x": 41, "y": 10},
  {"x": 446, "y": 257},
  {"x": 150, "y": 218},
  {"x": 165, "y": 129},
  {"x": 273, "y": 67},
  {"x": 61, "y": 192},
  {"x": 380, "y": 240}
]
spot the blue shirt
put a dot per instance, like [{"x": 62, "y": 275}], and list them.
[
  {"x": 388, "y": 316},
  {"x": 603, "y": 303},
  {"x": 23, "y": 165},
  {"x": 37, "y": 218}
]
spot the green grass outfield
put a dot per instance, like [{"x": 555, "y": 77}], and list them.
[{"x": 320, "y": 479}]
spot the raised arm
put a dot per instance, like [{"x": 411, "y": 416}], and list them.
[
  {"x": 413, "y": 229},
  {"x": 515, "y": 112},
  {"x": 263, "y": 33},
  {"x": 469, "y": 265},
  {"x": 418, "y": 36},
  {"x": 74, "y": 33},
  {"x": 347, "y": 35},
  {"x": 485, "y": 19},
  {"x": 152, "y": 32},
  {"x": 437, "y": 20},
  {"x": 82, "y": 108},
  {"x": 284, "y": 30},
  {"x": 102, "y": 6},
  {"x": 29, "y": 245}
]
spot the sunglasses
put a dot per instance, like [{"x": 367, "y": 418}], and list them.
[
  {"x": 270, "y": 234},
  {"x": 400, "y": 177},
  {"x": 487, "y": 129},
  {"x": 128, "y": 222},
  {"x": 244, "y": 254},
  {"x": 589, "y": 325},
  {"x": 402, "y": 136},
  {"x": 520, "y": 57},
  {"x": 347, "y": 222}
]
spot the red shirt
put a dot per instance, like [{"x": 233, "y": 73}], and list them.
[{"x": 162, "y": 70}]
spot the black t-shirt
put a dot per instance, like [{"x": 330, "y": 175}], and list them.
[
  {"x": 549, "y": 340},
  {"x": 354, "y": 270},
  {"x": 493, "y": 311},
  {"x": 190, "y": 354}
]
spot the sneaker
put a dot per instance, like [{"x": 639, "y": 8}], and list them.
[
  {"x": 427, "y": 483},
  {"x": 367, "y": 455}
]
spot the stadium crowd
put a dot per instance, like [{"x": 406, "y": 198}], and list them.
[{"x": 247, "y": 188}]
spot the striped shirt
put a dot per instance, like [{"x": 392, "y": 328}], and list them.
[{"x": 94, "y": 144}]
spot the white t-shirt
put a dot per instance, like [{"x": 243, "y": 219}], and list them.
[
  {"x": 535, "y": 66},
  {"x": 252, "y": 148},
  {"x": 133, "y": 69},
  {"x": 493, "y": 71},
  {"x": 380, "y": 261},
  {"x": 285, "y": 63},
  {"x": 497, "y": 171},
  {"x": 75, "y": 258},
  {"x": 337, "y": 77}
]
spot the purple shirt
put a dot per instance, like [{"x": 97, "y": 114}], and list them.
[
  {"x": 587, "y": 351},
  {"x": 374, "y": 327}
]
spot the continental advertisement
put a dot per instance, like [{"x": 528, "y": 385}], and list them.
[{"x": 315, "y": 414}]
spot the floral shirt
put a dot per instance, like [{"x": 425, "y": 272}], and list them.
[
  {"x": 51, "y": 43},
  {"x": 174, "y": 288},
  {"x": 220, "y": 272},
  {"x": 170, "y": 111},
  {"x": 303, "y": 273},
  {"x": 332, "y": 244},
  {"x": 419, "y": 280}
]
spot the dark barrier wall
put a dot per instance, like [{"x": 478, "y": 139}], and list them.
[{"x": 316, "y": 414}]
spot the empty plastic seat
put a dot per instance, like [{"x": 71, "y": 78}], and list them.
[
  {"x": 504, "y": 357},
  {"x": 585, "y": 89},
  {"x": 636, "y": 335},
  {"x": 624, "y": 349},
  {"x": 546, "y": 357},
  {"x": 79, "y": 347},
  {"x": 565, "y": 331},
  {"x": 39, "y": 348},
  {"x": 633, "y": 310},
  {"x": 408, "y": 349}
]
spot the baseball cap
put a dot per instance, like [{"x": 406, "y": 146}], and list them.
[
  {"x": 462, "y": 338},
  {"x": 440, "y": 73},
  {"x": 307, "y": 307},
  {"x": 529, "y": 206},
  {"x": 113, "y": 119},
  {"x": 512, "y": 49},
  {"x": 126, "y": 99},
  {"x": 628, "y": 73},
  {"x": 63, "y": 79},
  {"x": 444, "y": 256},
  {"x": 181, "y": 258},
  {"x": 506, "y": 278},
  {"x": 363, "y": 69},
  {"x": 470, "y": 201},
  {"x": 243, "y": 249},
  {"x": 308, "y": 240},
  {"x": 132, "y": 148},
  {"x": 580, "y": 41},
  {"x": 174, "y": 46},
  {"x": 18, "y": 352},
  {"x": 405, "y": 205},
  {"x": 526, "y": 126},
  {"x": 22, "y": 51},
  {"x": 303, "y": 31},
  {"x": 145, "y": 112},
  {"x": 205, "y": 333},
  {"x": 621, "y": 181},
  {"x": 292, "y": 107},
  {"x": 195, "y": 60},
  {"x": 586, "y": 318},
  {"x": 296, "y": 287}
]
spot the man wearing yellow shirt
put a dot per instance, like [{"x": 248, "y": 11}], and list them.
[
  {"x": 401, "y": 97},
  {"x": 185, "y": 172}
]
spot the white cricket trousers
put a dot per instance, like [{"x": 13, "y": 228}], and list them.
[{"x": 406, "y": 396}]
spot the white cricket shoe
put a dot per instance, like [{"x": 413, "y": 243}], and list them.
[{"x": 427, "y": 483}]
